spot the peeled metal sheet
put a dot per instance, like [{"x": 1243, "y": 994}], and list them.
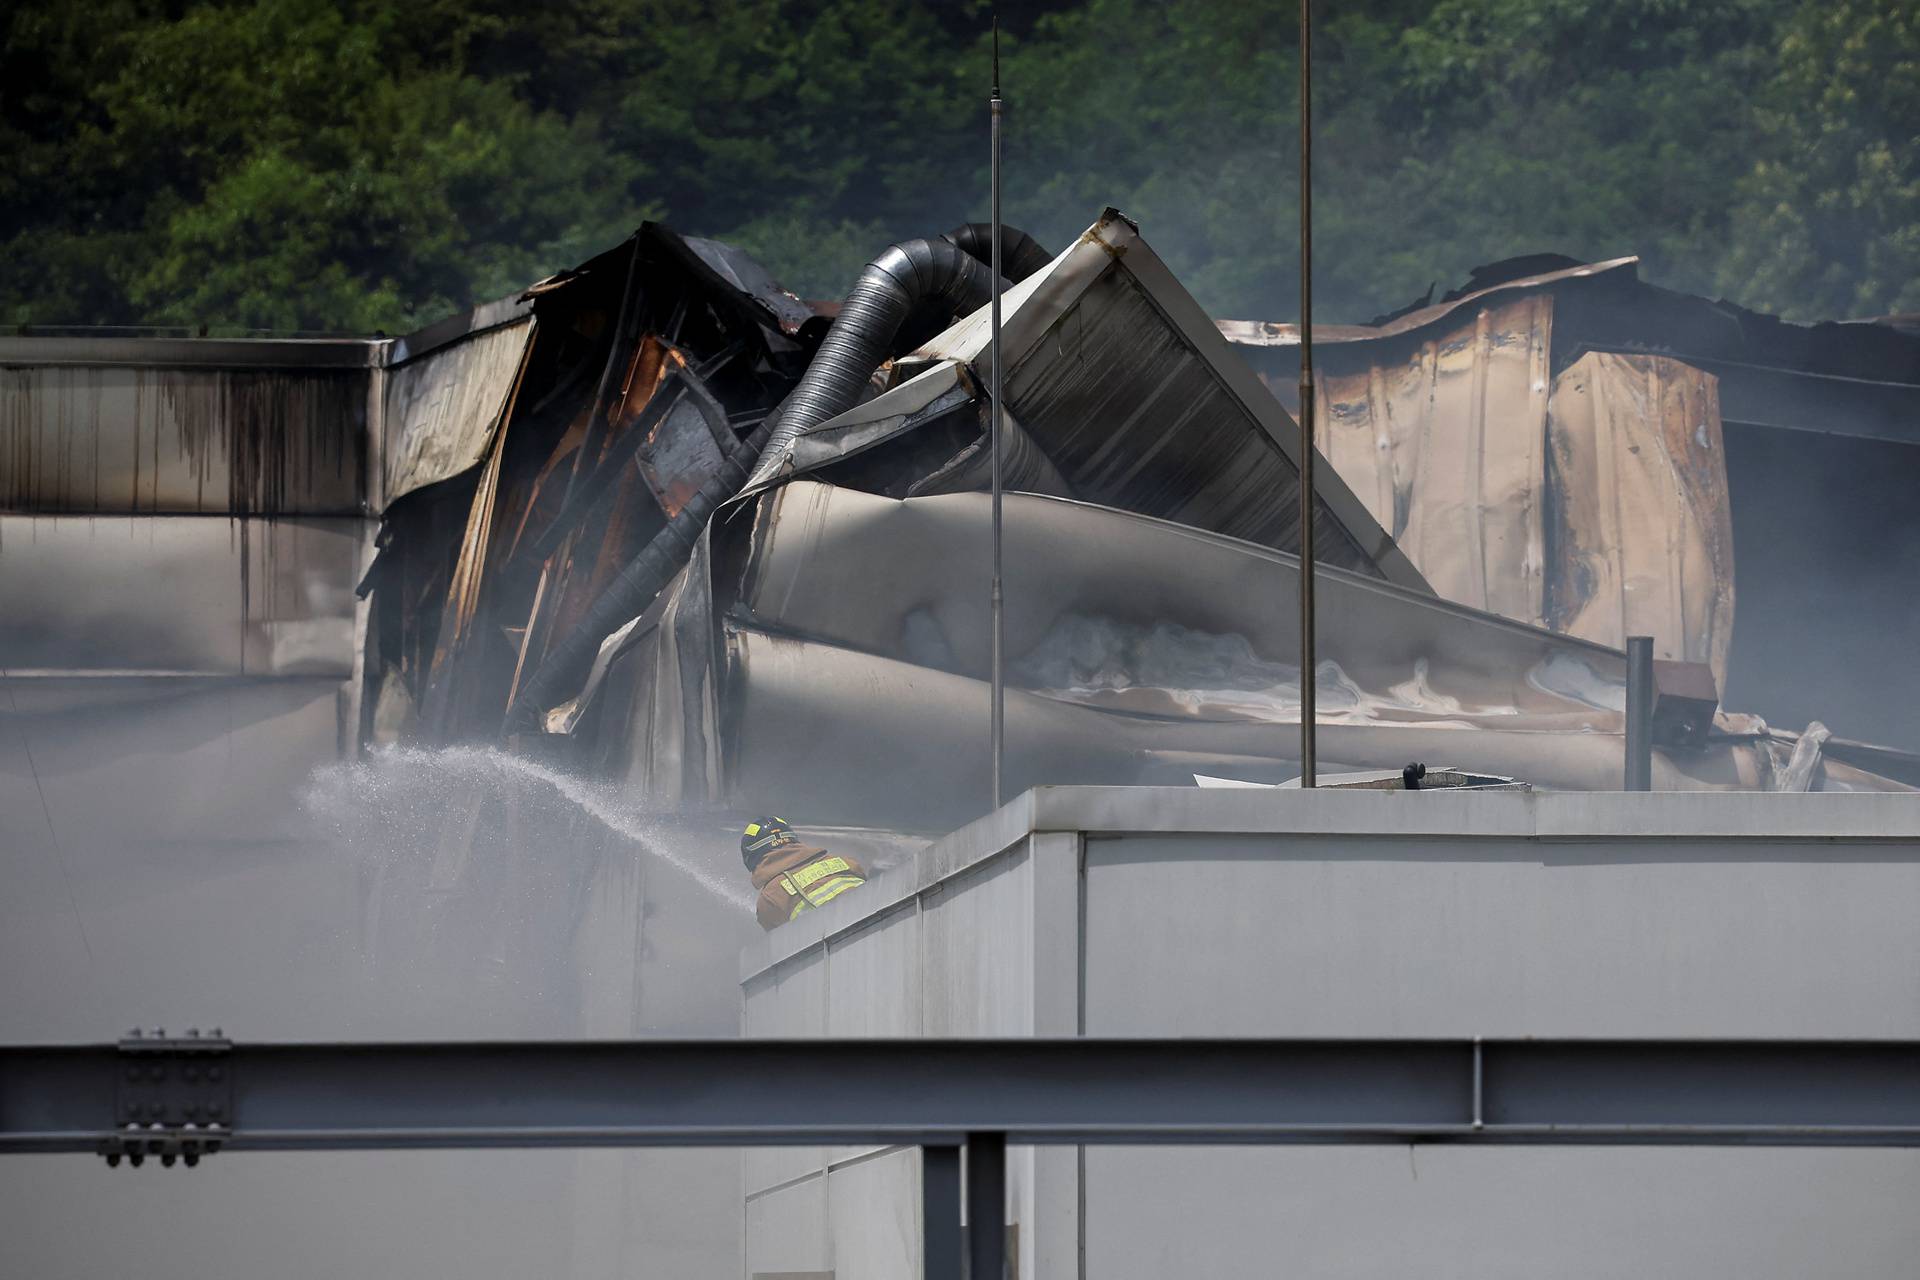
[
  {"x": 1137, "y": 651},
  {"x": 442, "y": 409},
  {"x": 1263, "y": 333},
  {"x": 1592, "y": 503},
  {"x": 1640, "y": 522},
  {"x": 1446, "y": 447},
  {"x": 177, "y": 594},
  {"x": 845, "y": 736},
  {"x": 741, "y": 270},
  {"x": 909, "y": 579},
  {"x": 109, "y": 440}
]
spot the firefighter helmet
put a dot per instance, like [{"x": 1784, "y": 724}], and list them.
[{"x": 761, "y": 837}]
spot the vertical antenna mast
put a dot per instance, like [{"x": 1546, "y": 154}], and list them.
[
  {"x": 998, "y": 731},
  {"x": 1308, "y": 710}
]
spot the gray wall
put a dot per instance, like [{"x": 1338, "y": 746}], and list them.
[
  {"x": 178, "y": 552},
  {"x": 1181, "y": 912}
]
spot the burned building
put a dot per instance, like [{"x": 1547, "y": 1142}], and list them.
[
  {"x": 582, "y": 521},
  {"x": 1566, "y": 444},
  {"x": 825, "y": 644},
  {"x": 578, "y": 531}
]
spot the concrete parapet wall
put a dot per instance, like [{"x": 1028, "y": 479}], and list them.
[{"x": 1115, "y": 911}]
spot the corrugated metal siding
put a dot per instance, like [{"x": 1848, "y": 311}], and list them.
[
  {"x": 1594, "y": 503},
  {"x": 1135, "y": 419},
  {"x": 1640, "y": 527},
  {"x": 111, "y": 441},
  {"x": 1446, "y": 449}
]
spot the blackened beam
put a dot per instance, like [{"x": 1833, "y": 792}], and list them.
[{"x": 681, "y": 1093}]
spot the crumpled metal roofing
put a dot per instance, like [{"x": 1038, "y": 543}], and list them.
[
  {"x": 1122, "y": 384},
  {"x": 855, "y": 659}
]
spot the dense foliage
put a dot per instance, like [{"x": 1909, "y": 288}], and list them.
[{"x": 362, "y": 164}]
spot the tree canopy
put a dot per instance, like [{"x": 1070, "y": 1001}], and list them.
[{"x": 373, "y": 164}]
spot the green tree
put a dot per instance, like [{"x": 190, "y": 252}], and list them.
[
  {"x": 1828, "y": 223},
  {"x": 373, "y": 163},
  {"x": 1445, "y": 136},
  {"x": 299, "y": 166}
]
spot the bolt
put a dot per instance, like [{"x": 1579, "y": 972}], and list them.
[
  {"x": 217, "y": 1034},
  {"x": 192, "y": 1158},
  {"x": 133, "y": 1073},
  {"x": 135, "y": 1159},
  {"x": 191, "y": 1073},
  {"x": 213, "y": 1073},
  {"x": 113, "y": 1159},
  {"x": 137, "y": 1110},
  {"x": 167, "y": 1160},
  {"x": 134, "y": 1034},
  {"x": 216, "y": 1111},
  {"x": 193, "y": 1033},
  {"x": 159, "y": 1033}
]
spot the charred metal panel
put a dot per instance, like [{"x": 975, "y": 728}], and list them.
[
  {"x": 1132, "y": 419},
  {"x": 108, "y": 440},
  {"x": 744, "y": 273},
  {"x": 442, "y": 409},
  {"x": 1446, "y": 447},
  {"x": 1641, "y": 529},
  {"x": 173, "y": 349},
  {"x": 185, "y": 594}
]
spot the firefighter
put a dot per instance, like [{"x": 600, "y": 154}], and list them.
[{"x": 793, "y": 877}]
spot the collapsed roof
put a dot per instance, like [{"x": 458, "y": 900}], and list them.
[
  {"x": 823, "y": 646},
  {"x": 1566, "y": 444}
]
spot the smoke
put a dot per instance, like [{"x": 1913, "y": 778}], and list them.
[
  {"x": 499, "y": 891},
  {"x": 399, "y": 803}
]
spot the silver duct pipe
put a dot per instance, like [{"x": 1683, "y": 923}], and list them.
[{"x": 908, "y": 277}]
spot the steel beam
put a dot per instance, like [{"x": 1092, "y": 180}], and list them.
[
  {"x": 940, "y": 1249},
  {"x": 1638, "y": 771},
  {"x": 683, "y": 1093},
  {"x": 986, "y": 1206}
]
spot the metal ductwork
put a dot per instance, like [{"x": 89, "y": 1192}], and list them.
[
  {"x": 1020, "y": 254},
  {"x": 951, "y": 275}
]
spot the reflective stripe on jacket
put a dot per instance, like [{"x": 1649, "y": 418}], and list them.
[{"x": 798, "y": 877}]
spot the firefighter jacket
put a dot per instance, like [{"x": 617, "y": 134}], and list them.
[{"x": 795, "y": 877}]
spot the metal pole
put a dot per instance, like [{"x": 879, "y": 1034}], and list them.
[
  {"x": 941, "y": 1257},
  {"x": 1639, "y": 764},
  {"x": 998, "y": 731},
  {"x": 1308, "y": 666},
  {"x": 986, "y": 1206}
]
